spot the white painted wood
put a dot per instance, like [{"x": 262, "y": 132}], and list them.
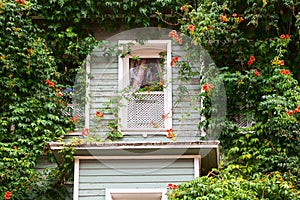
[
  {"x": 133, "y": 146},
  {"x": 150, "y": 49},
  {"x": 137, "y": 157},
  {"x": 108, "y": 194},
  {"x": 136, "y": 194},
  {"x": 168, "y": 91},
  {"x": 197, "y": 167},
  {"x": 121, "y": 85},
  {"x": 76, "y": 179}
]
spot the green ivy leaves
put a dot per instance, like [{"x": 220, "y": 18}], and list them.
[
  {"x": 30, "y": 109},
  {"x": 228, "y": 186}
]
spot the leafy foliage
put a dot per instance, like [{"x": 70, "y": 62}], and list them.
[
  {"x": 253, "y": 44},
  {"x": 30, "y": 105},
  {"x": 70, "y": 26},
  {"x": 42, "y": 43},
  {"x": 227, "y": 186}
]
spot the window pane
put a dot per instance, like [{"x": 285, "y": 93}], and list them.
[{"x": 146, "y": 74}]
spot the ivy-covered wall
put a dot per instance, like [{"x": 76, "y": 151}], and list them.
[
  {"x": 43, "y": 44},
  {"x": 254, "y": 42}
]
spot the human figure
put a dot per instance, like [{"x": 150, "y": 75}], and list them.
[
  {"x": 132, "y": 71},
  {"x": 140, "y": 72},
  {"x": 149, "y": 77}
]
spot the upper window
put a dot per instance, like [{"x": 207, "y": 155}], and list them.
[
  {"x": 146, "y": 74},
  {"x": 145, "y": 83}
]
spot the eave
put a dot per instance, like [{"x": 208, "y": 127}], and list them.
[{"x": 205, "y": 148}]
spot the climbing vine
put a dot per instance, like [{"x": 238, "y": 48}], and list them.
[
  {"x": 254, "y": 43},
  {"x": 43, "y": 45},
  {"x": 253, "y": 47},
  {"x": 30, "y": 101}
]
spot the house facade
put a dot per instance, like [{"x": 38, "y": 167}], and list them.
[{"x": 139, "y": 130}]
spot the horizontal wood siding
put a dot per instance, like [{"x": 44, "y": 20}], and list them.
[
  {"x": 186, "y": 115},
  {"x": 104, "y": 86},
  {"x": 44, "y": 164},
  {"x": 95, "y": 175}
]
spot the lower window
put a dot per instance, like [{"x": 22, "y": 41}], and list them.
[{"x": 136, "y": 194}]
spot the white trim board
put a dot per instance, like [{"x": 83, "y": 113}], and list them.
[
  {"x": 137, "y": 157},
  {"x": 142, "y": 194},
  {"x": 76, "y": 179},
  {"x": 211, "y": 144}
]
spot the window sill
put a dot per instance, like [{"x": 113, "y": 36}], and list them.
[{"x": 144, "y": 132}]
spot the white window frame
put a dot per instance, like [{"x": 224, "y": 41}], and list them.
[
  {"x": 110, "y": 192},
  {"x": 149, "y": 49}
]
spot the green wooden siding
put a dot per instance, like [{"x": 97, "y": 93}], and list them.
[
  {"x": 104, "y": 85},
  {"x": 95, "y": 175}
]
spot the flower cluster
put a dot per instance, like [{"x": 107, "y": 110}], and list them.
[
  {"x": 251, "y": 60},
  {"x": 207, "y": 86},
  {"x": 256, "y": 72},
  {"x": 20, "y": 1},
  {"x": 74, "y": 119},
  {"x": 276, "y": 61},
  {"x": 287, "y": 36},
  {"x": 237, "y": 19},
  {"x": 296, "y": 110},
  {"x": 7, "y": 195},
  {"x": 49, "y": 83},
  {"x": 170, "y": 133},
  {"x": 174, "y": 60},
  {"x": 285, "y": 72},
  {"x": 191, "y": 28},
  {"x": 183, "y": 8},
  {"x": 224, "y": 18},
  {"x": 173, "y": 34},
  {"x": 99, "y": 114},
  {"x": 172, "y": 186}
]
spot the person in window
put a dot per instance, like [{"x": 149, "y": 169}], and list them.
[
  {"x": 149, "y": 76},
  {"x": 132, "y": 71},
  {"x": 140, "y": 73}
]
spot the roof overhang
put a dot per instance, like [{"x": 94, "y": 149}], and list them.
[{"x": 207, "y": 149}]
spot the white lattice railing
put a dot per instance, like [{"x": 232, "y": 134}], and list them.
[{"x": 145, "y": 110}]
